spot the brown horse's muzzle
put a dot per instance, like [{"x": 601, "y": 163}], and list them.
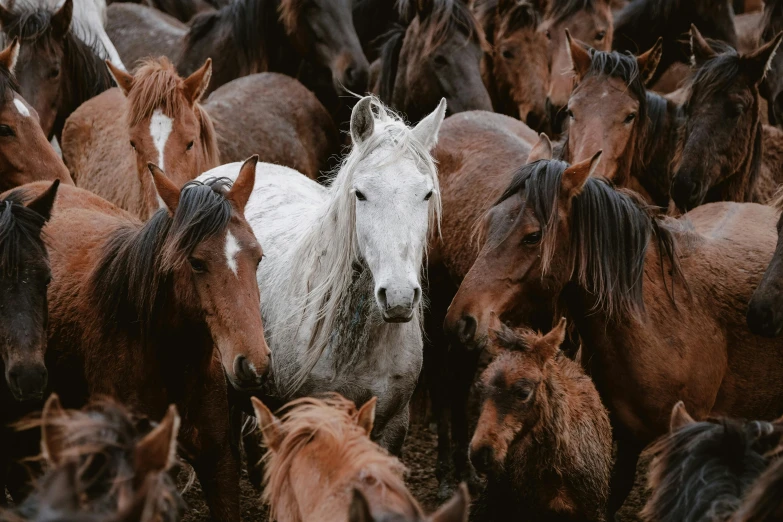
[
  {"x": 351, "y": 72},
  {"x": 27, "y": 381}
]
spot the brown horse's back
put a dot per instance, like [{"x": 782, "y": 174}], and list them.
[
  {"x": 276, "y": 117},
  {"x": 138, "y": 31},
  {"x": 477, "y": 154}
]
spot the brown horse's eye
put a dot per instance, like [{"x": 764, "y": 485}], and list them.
[
  {"x": 190, "y": 145},
  {"x": 532, "y": 238},
  {"x": 197, "y": 265},
  {"x": 569, "y": 113},
  {"x": 54, "y": 73},
  {"x": 133, "y": 145},
  {"x": 6, "y": 131},
  {"x": 440, "y": 60},
  {"x": 548, "y": 35},
  {"x": 630, "y": 118},
  {"x": 508, "y": 54},
  {"x": 600, "y": 36}
]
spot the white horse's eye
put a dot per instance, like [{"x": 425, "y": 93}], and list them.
[
  {"x": 360, "y": 196},
  {"x": 428, "y": 196}
]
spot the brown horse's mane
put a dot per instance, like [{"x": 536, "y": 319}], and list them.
[
  {"x": 132, "y": 280},
  {"x": 610, "y": 233},
  {"x": 764, "y": 498},
  {"x": 20, "y": 231},
  {"x": 157, "y": 86},
  {"x": 332, "y": 419},
  {"x": 519, "y": 16},
  {"x": 559, "y": 10}
]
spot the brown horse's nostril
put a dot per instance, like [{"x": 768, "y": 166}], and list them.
[
  {"x": 356, "y": 78},
  {"x": 246, "y": 373},
  {"x": 685, "y": 192},
  {"x": 27, "y": 382},
  {"x": 761, "y": 319},
  {"x": 466, "y": 329},
  {"x": 481, "y": 458}
]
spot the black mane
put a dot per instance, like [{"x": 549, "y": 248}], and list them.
[
  {"x": 765, "y": 498},
  {"x": 20, "y": 232}
]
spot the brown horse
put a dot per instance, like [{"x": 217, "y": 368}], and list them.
[
  {"x": 248, "y": 36},
  {"x": 543, "y": 436},
  {"x": 322, "y": 465},
  {"x": 764, "y": 310},
  {"x": 162, "y": 312},
  {"x": 57, "y": 71},
  {"x": 559, "y": 239},
  {"x": 438, "y": 55},
  {"x": 763, "y": 500},
  {"x": 772, "y": 86}
]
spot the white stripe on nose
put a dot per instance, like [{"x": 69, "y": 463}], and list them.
[
  {"x": 232, "y": 249},
  {"x": 20, "y": 106},
  {"x": 160, "y": 129}
]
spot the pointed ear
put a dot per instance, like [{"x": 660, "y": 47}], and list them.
[
  {"x": 366, "y": 416},
  {"x": 52, "y": 433},
  {"x": 44, "y": 203},
  {"x": 362, "y": 120},
  {"x": 575, "y": 176},
  {"x": 196, "y": 84},
  {"x": 700, "y": 49},
  {"x": 456, "y": 509},
  {"x": 648, "y": 62},
  {"x": 426, "y": 131},
  {"x": 123, "y": 79},
  {"x": 542, "y": 150},
  {"x": 360, "y": 509},
  {"x": 757, "y": 63},
  {"x": 157, "y": 451},
  {"x": 548, "y": 345},
  {"x": 7, "y": 17},
  {"x": 679, "y": 418},
  {"x": 501, "y": 337},
  {"x": 270, "y": 426},
  {"x": 168, "y": 192},
  {"x": 579, "y": 55},
  {"x": 243, "y": 187},
  {"x": 9, "y": 55},
  {"x": 61, "y": 20}
]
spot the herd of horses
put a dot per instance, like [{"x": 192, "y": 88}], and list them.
[{"x": 213, "y": 210}]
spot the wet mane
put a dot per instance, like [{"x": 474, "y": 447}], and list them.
[
  {"x": 20, "y": 232},
  {"x": 610, "y": 233},
  {"x": 332, "y": 420},
  {"x": 132, "y": 281},
  {"x": 559, "y": 10}
]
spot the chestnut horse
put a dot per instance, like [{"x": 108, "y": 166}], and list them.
[
  {"x": 438, "y": 55},
  {"x": 162, "y": 312},
  {"x": 248, "y": 36},
  {"x": 543, "y": 437},
  {"x": 57, "y": 71},
  {"x": 559, "y": 239},
  {"x": 25, "y": 154},
  {"x": 323, "y": 466}
]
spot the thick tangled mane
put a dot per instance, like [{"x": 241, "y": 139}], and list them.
[
  {"x": 131, "y": 282},
  {"x": 702, "y": 471},
  {"x": 522, "y": 15},
  {"x": 765, "y": 498},
  {"x": 716, "y": 74},
  {"x": 332, "y": 419},
  {"x": 20, "y": 232},
  {"x": 610, "y": 231},
  {"x": 559, "y": 10},
  {"x": 772, "y": 20},
  {"x": 330, "y": 272}
]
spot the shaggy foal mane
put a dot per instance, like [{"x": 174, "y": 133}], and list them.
[
  {"x": 20, "y": 231},
  {"x": 332, "y": 420},
  {"x": 610, "y": 232}
]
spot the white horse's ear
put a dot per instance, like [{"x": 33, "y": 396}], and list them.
[
  {"x": 362, "y": 120},
  {"x": 427, "y": 129}
]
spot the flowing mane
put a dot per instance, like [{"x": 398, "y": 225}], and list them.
[
  {"x": 20, "y": 231},
  {"x": 610, "y": 233}
]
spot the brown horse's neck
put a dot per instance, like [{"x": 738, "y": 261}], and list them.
[{"x": 741, "y": 185}]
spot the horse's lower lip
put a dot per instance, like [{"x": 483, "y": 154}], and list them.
[
  {"x": 398, "y": 319},
  {"x": 29, "y": 397}
]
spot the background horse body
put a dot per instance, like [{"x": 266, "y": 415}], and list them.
[{"x": 345, "y": 265}]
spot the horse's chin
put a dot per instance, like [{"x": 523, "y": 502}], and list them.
[{"x": 398, "y": 318}]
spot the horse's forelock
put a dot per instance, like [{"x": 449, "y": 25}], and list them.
[
  {"x": 156, "y": 86},
  {"x": 447, "y": 18}
]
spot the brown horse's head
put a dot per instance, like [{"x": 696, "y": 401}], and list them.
[
  {"x": 589, "y": 21},
  {"x": 24, "y": 278},
  {"x": 765, "y": 310},
  {"x": 512, "y": 391},
  {"x": 25, "y": 153},
  {"x": 438, "y": 56},
  {"x": 516, "y": 67},
  {"x": 166, "y": 124},
  {"x": 608, "y": 109},
  {"x": 323, "y": 31},
  {"x": 721, "y": 123}
]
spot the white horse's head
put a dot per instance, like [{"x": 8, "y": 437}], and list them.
[{"x": 395, "y": 197}]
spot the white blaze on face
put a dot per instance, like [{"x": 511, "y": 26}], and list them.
[
  {"x": 21, "y": 107},
  {"x": 232, "y": 249},
  {"x": 160, "y": 129}
]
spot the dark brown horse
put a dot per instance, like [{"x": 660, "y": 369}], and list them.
[
  {"x": 161, "y": 312},
  {"x": 772, "y": 86},
  {"x": 559, "y": 239},
  {"x": 438, "y": 55},
  {"x": 764, "y": 501},
  {"x": 765, "y": 310},
  {"x": 57, "y": 71}
]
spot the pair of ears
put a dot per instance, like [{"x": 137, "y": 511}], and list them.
[
  {"x": 155, "y": 452},
  {"x": 542, "y": 346},
  {"x": 425, "y": 132},
  {"x": 193, "y": 87},
  {"x": 455, "y": 510},
  {"x": 273, "y": 432},
  {"x": 575, "y": 176},
  {"x": 60, "y": 21}
]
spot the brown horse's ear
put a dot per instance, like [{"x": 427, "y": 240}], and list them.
[
  {"x": 548, "y": 345},
  {"x": 701, "y": 51},
  {"x": 456, "y": 509},
  {"x": 575, "y": 176},
  {"x": 648, "y": 62},
  {"x": 123, "y": 79},
  {"x": 362, "y": 120},
  {"x": 52, "y": 433},
  {"x": 9, "y": 55},
  {"x": 270, "y": 426},
  {"x": 542, "y": 150},
  {"x": 360, "y": 508},
  {"x": 757, "y": 63},
  {"x": 167, "y": 191},
  {"x": 579, "y": 55},
  {"x": 426, "y": 131},
  {"x": 157, "y": 451},
  {"x": 61, "y": 20},
  {"x": 196, "y": 84},
  {"x": 243, "y": 187},
  {"x": 44, "y": 203},
  {"x": 680, "y": 417},
  {"x": 366, "y": 416},
  {"x": 501, "y": 337}
]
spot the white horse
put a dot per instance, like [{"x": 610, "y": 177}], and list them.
[{"x": 342, "y": 266}]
